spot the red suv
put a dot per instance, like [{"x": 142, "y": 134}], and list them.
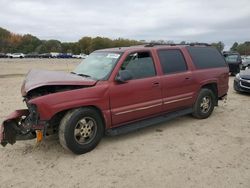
[{"x": 116, "y": 91}]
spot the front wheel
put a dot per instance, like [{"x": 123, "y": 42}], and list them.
[
  {"x": 81, "y": 130},
  {"x": 204, "y": 104}
]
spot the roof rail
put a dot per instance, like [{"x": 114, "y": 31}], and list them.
[
  {"x": 152, "y": 44},
  {"x": 199, "y": 44}
]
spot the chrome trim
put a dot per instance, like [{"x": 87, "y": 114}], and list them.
[
  {"x": 177, "y": 100},
  {"x": 137, "y": 109},
  {"x": 245, "y": 80},
  {"x": 244, "y": 86}
]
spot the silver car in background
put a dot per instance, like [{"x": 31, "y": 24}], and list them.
[{"x": 245, "y": 61}]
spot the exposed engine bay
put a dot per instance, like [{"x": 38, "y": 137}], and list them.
[{"x": 45, "y": 90}]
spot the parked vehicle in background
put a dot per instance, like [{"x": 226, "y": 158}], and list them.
[
  {"x": 3, "y": 55},
  {"x": 45, "y": 55},
  {"x": 116, "y": 91},
  {"x": 234, "y": 62},
  {"x": 32, "y": 55},
  {"x": 245, "y": 61},
  {"x": 16, "y": 55},
  {"x": 80, "y": 56},
  {"x": 54, "y": 54},
  {"x": 64, "y": 55},
  {"x": 242, "y": 81}
]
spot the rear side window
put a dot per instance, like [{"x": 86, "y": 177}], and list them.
[
  {"x": 172, "y": 61},
  {"x": 206, "y": 57}
]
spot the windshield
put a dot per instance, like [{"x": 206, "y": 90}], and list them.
[
  {"x": 98, "y": 65},
  {"x": 232, "y": 58}
]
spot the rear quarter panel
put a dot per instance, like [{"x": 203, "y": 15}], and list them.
[{"x": 213, "y": 75}]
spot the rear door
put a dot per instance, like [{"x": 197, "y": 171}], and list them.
[
  {"x": 141, "y": 96},
  {"x": 178, "y": 83}
]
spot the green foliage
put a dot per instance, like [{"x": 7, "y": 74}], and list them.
[
  {"x": 28, "y": 44},
  {"x": 88, "y": 44},
  {"x": 4, "y": 34},
  {"x": 10, "y": 42},
  {"x": 49, "y": 46},
  {"x": 234, "y": 47},
  {"x": 243, "y": 49},
  {"x": 85, "y": 45},
  {"x": 219, "y": 45}
]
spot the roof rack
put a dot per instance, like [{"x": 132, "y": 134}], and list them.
[{"x": 152, "y": 44}]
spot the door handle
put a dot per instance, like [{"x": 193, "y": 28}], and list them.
[
  {"x": 155, "y": 84},
  {"x": 187, "y": 78}
]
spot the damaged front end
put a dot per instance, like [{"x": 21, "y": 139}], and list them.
[
  {"x": 21, "y": 125},
  {"x": 32, "y": 122}
]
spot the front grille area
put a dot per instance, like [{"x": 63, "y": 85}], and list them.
[
  {"x": 245, "y": 78},
  {"x": 245, "y": 83}
]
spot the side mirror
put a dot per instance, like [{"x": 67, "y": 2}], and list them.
[{"x": 123, "y": 76}]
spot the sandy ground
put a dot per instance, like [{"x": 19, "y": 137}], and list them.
[{"x": 184, "y": 152}]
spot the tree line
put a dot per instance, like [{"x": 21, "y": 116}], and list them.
[
  {"x": 11, "y": 42},
  {"x": 243, "y": 48}
]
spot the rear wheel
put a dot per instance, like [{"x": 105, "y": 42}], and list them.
[
  {"x": 81, "y": 130},
  {"x": 204, "y": 104}
]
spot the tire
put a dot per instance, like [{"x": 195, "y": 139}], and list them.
[
  {"x": 204, "y": 104},
  {"x": 81, "y": 130}
]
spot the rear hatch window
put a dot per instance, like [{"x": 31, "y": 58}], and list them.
[{"x": 206, "y": 57}]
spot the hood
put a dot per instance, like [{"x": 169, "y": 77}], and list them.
[
  {"x": 245, "y": 74},
  {"x": 38, "y": 78}
]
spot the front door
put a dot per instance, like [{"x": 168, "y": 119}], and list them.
[{"x": 141, "y": 96}]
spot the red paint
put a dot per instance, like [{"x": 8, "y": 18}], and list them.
[
  {"x": 136, "y": 99},
  {"x": 38, "y": 78}
]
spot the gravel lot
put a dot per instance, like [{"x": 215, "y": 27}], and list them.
[{"x": 184, "y": 152}]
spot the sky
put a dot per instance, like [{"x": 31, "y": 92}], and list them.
[{"x": 170, "y": 20}]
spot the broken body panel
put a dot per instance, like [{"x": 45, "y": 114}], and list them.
[
  {"x": 9, "y": 128},
  {"x": 22, "y": 124}
]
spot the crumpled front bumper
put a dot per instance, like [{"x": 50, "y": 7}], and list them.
[{"x": 9, "y": 127}]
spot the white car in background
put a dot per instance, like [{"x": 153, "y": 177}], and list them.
[
  {"x": 54, "y": 54},
  {"x": 80, "y": 56},
  {"x": 15, "y": 55}
]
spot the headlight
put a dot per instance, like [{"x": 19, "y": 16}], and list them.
[
  {"x": 237, "y": 76},
  {"x": 34, "y": 115}
]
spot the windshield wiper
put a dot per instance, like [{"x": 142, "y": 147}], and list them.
[{"x": 83, "y": 75}]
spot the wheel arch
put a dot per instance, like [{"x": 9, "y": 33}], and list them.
[
  {"x": 56, "y": 118},
  {"x": 214, "y": 88}
]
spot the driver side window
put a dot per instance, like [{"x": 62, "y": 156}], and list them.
[{"x": 140, "y": 65}]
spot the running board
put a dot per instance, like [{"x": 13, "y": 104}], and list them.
[{"x": 147, "y": 122}]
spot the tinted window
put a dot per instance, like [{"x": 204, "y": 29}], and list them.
[
  {"x": 232, "y": 58},
  {"x": 139, "y": 64},
  {"x": 172, "y": 61},
  {"x": 206, "y": 57}
]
